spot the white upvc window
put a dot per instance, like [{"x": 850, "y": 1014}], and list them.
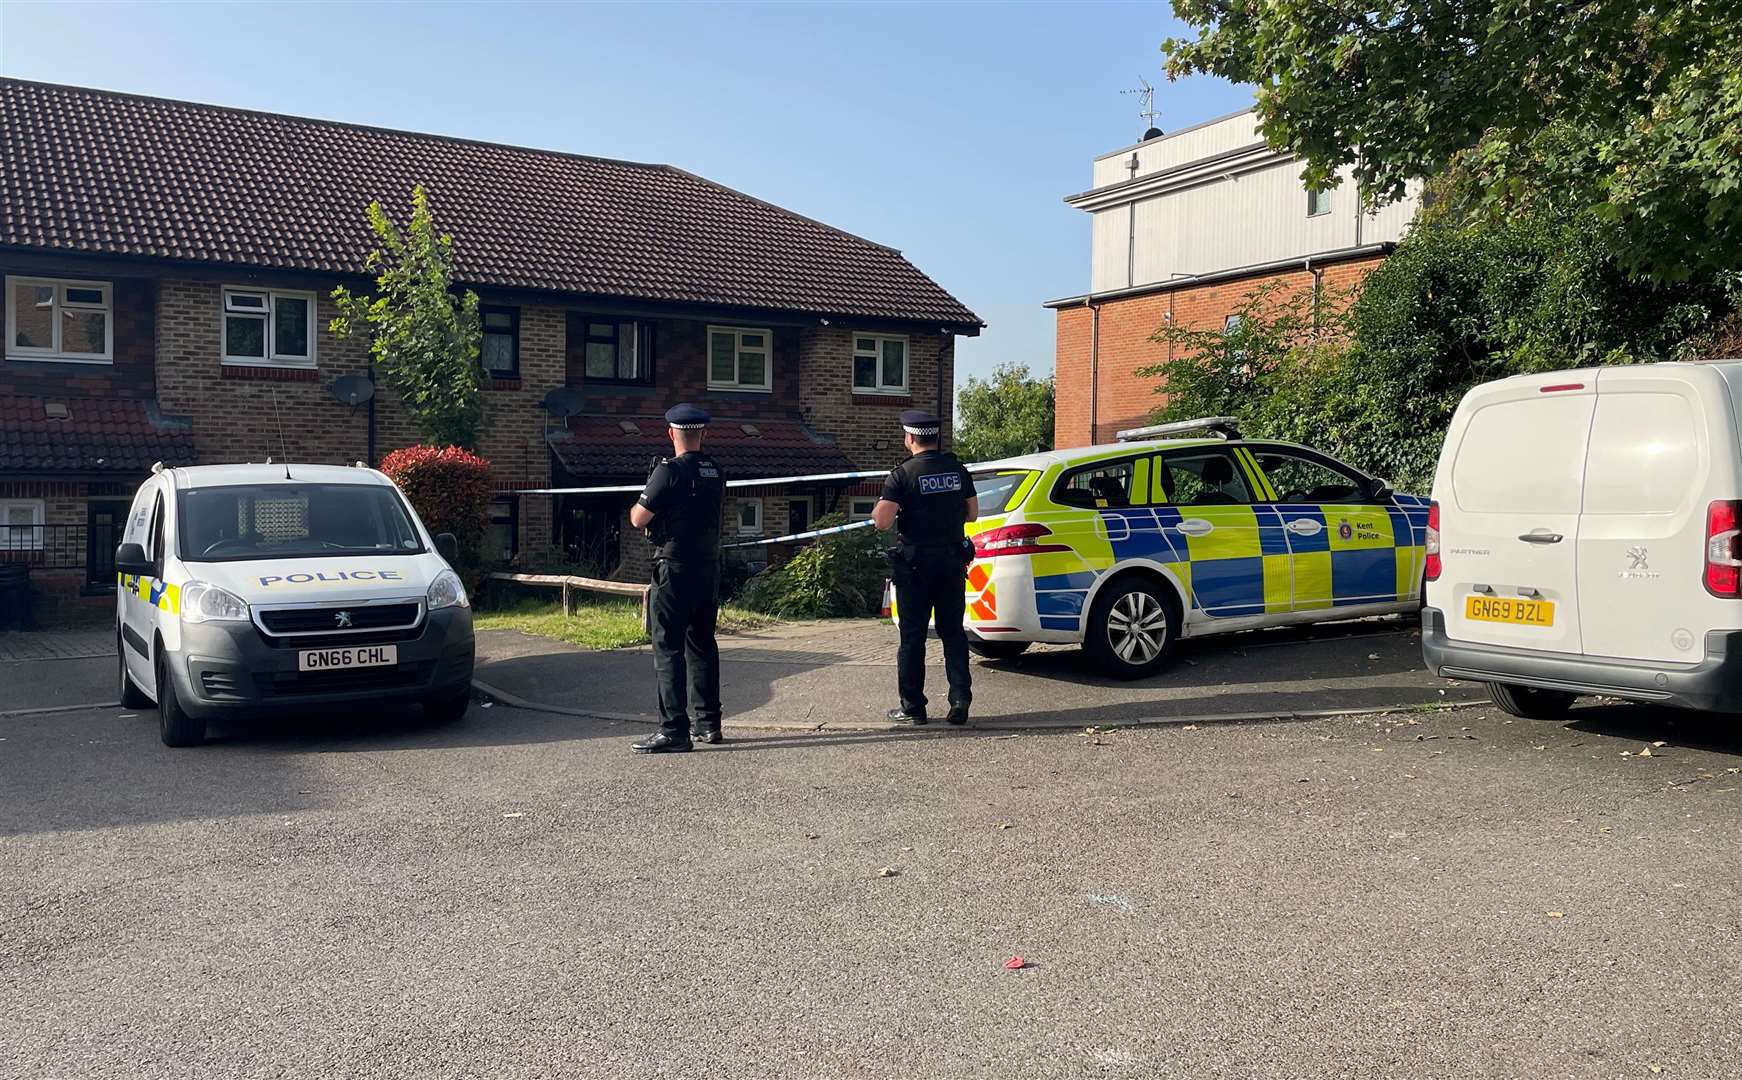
[
  {"x": 749, "y": 517},
  {"x": 879, "y": 364},
  {"x": 58, "y": 319},
  {"x": 859, "y": 507},
  {"x": 268, "y": 326},
  {"x": 21, "y": 524},
  {"x": 1318, "y": 202},
  {"x": 740, "y": 358}
]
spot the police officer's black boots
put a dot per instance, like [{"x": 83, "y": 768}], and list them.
[
  {"x": 661, "y": 743},
  {"x": 903, "y": 716},
  {"x": 958, "y": 715},
  {"x": 706, "y": 733}
]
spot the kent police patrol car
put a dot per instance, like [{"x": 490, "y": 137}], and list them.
[
  {"x": 1128, "y": 547},
  {"x": 251, "y": 587}
]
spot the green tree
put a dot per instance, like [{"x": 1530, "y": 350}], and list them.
[
  {"x": 425, "y": 338},
  {"x": 1628, "y": 110},
  {"x": 1009, "y": 414}
]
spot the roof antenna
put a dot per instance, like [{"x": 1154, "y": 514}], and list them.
[
  {"x": 282, "y": 449},
  {"x": 1148, "y": 112}
]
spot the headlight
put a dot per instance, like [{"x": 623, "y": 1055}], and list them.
[
  {"x": 201, "y": 602},
  {"x": 446, "y": 591}
]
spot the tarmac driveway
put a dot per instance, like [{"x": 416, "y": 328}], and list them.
[{"x": 840, "y": 675}]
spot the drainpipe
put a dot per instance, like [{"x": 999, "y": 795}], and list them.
[
  {"x": 1094, "y": 364},
  {"x": 371, "y": 458},
  {"x": 1318, "y": 273}
]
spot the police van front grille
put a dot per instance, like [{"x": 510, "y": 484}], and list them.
[
  {"x": 326, "y": 682},
  {"x": 339, "y": 618}
]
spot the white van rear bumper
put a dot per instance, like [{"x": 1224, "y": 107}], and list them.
[{"x": 1711, "y": 685}]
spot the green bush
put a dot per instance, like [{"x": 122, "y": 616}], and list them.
[{"x": 839, "y": 575}]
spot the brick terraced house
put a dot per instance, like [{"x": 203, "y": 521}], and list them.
[
  {"x": 1184, "y": 226},
  {"x": 168, "y": 269}
]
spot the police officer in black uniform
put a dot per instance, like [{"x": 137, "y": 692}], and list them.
[
  {"x": 681, "y": 509},
  {"x": 928, "y": 498}
]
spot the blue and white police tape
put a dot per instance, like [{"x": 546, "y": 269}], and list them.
[
  {"x": 772, "y": 481},
  {"x": 813, "y": 534}
]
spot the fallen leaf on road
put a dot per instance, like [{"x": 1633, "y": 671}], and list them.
[
  {"x": 810, "y": 836},
  {"x": 517, "y": 813},
  {"x": 1372, "y": 656},
  {"x": 1655, "y": 1068},
  {"x": 1001, "y": 738},
  {"x": 1660, "y": 742},
  {"x": 887, "y": 871},
  {"x": 1015, "y": 963},
  {"x": 1544, "y": 746},
  {"x": 1190, "y": 727},
  {"x": 1005, "y": 825},
  {"x": 488, "y": 705},
  {"x": 1557, "y": 914},
  {"x": 1232, "y": 794},
  {"x": 1626, "y": 753}
]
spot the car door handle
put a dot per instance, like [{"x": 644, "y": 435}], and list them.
[
  {"x": 1195, "y": 527},
  {"x": 1305, "y": 527},
  {"x": 1541, "y": 536}
]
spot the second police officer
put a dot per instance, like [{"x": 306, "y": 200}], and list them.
[
  {"x": 929, "y": 498},
  {"x": 680, "y": 509}
]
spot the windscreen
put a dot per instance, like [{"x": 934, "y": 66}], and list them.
[
  {"x": 998, "y": 491},
  {"x": 279, "y": 521}
]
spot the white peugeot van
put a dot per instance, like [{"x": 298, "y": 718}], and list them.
[
  {"x": 246, "y": 588},
  {"x": 1583, "y": 539}
]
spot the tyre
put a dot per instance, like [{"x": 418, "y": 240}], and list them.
[
  {"x": 131, "y": 696},
  {"x": 1132, "y": 628},
  {"x": 449, "y": 707},
  {"x": 1529, "y": 702},
  {"x": 174, "y": 727},
  {"x": 996, "y": 650}
]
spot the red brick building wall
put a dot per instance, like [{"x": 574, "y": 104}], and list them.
[{"x": 1123, "y": 398}]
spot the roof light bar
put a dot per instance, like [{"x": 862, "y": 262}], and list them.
[{"x": 1222, "y": 426}]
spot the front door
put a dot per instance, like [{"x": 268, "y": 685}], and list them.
[{"x": 104, "y": 521}]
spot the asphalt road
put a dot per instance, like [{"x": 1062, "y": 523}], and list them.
[{"x": 515, "y": 895}]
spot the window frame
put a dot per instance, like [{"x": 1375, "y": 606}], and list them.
[
  {"x": 513, "y": 313},
  {"x": 738, "y": 350},
  {"x": 268, "y": 317},
  {"x": 1364, "y": 481},
  {"x": 1315, "y": 194},
  {"x": 641, "y": 333},
  {"x": 34, "y": 532},
  {"x": 854, "y": 500},
  {"x": 876, "y": 354},
  {"x": 54, "y": 353},
  {"x": 1159, "y": 473},
  {"x": 510, "y": 518},
  {"x": 738, "y": 511}
]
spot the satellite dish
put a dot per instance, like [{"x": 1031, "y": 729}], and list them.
[
  {"x": 564, "y": 401},
  {"x": 353, "y": 390}
]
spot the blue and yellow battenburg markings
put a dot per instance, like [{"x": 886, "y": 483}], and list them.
[
  {"x": 1248, "y": 564},
  {"x": 158, "y": 593}
]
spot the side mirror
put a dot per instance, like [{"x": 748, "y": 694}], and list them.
[
  {"x": 448, "y": 547},
  {"x": 130, "y": 559},
  {"x": 1379, "y": 490}
]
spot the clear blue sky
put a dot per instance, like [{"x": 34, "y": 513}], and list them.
[{"x": 950, "y": 131}]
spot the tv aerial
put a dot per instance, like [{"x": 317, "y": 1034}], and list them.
[{"x": 1146, "y": 93}]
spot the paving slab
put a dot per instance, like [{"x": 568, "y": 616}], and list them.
[{"x": 840, "y": 675}]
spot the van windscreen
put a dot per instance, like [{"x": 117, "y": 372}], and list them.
[
  {"x": 998, "y": 491},
  {"x": 292, "y": 521}
]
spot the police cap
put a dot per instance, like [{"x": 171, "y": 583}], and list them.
[
  {"x": 919, "y": 422},
  {"x": 687, "y": 417}
]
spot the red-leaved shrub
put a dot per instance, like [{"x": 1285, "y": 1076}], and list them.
[{"x": 451, "y": 490}]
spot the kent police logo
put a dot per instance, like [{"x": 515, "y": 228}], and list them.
[
  {"x": 940, "y": 483},
  {"x": 1344, "y": 530}
]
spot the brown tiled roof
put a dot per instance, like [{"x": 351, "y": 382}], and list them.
[
  {"x": 95, "y": 171},
  {"x": 601, "y": 447},
  {"x": 97, "y": 435}
]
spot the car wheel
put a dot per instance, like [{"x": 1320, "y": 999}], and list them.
[
  {"x": 449, "y": 707},
  {"x": 131, "y": 696},
  {"x": 1132, "y": 629},
  {"x": 174, "y": 726},
  {"x": 996, "y": 650},
  {"x": 1531, "y": 703}
]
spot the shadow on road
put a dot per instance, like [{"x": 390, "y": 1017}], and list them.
[{"x": 1719, "y": 733}]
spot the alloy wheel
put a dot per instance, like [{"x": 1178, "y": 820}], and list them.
[{"x": 1137, "y": 627}]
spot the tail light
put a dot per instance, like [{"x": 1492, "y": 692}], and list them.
[
  {"x": 1432, "y": 541},
  {"x": 1013, "y": 540},
  {"x": 1723, "y": 560}
]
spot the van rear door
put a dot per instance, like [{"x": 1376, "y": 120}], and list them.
[
  {"x": 1642, "y": 533},
  {"x": 1509, "y": 494}
]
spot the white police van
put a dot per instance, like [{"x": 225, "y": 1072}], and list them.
[{"x": 248, "y": 588}]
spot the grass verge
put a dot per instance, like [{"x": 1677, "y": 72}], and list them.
[{"x": 602, "y": 623}]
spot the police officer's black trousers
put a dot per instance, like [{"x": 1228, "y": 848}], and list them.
[
  {"x": 933, "y": 589},
  {"x": 682, "y": 608}
]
